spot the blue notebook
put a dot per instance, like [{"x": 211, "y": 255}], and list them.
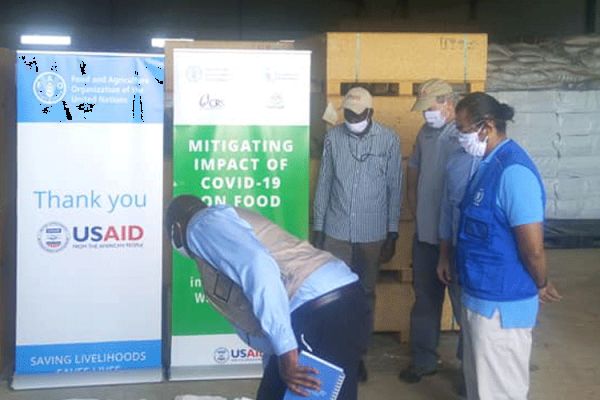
[{"x": 331, "y": 377}]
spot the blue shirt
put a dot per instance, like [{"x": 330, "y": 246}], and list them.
[
  {"x": 227, "y": 242},
  {"x": 459, "y": 170},
  {"x": 358, "y": 194},
  {"x": 520, "y": 198}
]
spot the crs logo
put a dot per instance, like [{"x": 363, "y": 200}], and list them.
[
  {"x": 123, "y": 233},
  {"x": 53, "y": 237},
  {"x": 49, "y": 88},
  {"x": 221, "y": 355}
]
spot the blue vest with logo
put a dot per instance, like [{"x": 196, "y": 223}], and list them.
[{"x": 487, "y": 255}]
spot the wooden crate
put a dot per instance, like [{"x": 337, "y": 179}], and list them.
[
  {"x": 393, "y": 303},
  {"x": 405, "y": 57}
]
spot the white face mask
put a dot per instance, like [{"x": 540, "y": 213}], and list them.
[
  {"x": 434, "y": 119},
  {"x": 357, "y": 127},
  {"x": 471, "y": 143}
]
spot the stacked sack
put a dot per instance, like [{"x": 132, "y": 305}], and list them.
[
  {"x": 561, "y": 131},
  {"x": 572, "y": 63}
]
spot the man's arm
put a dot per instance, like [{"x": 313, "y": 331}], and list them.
[
  {"x": 412, "y": 179},
  {"x": 411, "y": 188},
  {"x": 394, "y": 184},
  {"x": 394, "y": 199},
  {"x": 323, "y": 192},
  {"x": 445, "y": 235}
]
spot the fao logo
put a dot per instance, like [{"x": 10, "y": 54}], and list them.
[
  {"x": 194, "y": 73},
  {"x": 53, "y": 237},
  {"x": 221, "y": 355},
  {"x": 49, "y": 88}
]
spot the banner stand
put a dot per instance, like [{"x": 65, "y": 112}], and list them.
[
  {"x": 240, "y": 118},
  {"x": 89, "y": 190},
  {"x": 43, "y": 381}
]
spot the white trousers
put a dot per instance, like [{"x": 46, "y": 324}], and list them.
[{"x": 495, "y": 360}]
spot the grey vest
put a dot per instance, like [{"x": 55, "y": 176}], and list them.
[{"x": 296, "y": 259}]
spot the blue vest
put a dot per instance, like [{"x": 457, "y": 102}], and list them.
[{"x": 487, "y": 255}]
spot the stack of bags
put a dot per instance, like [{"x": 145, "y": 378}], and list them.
[
  {"x": 572, "y": 63},
  {"x": 561, "y": 131}
]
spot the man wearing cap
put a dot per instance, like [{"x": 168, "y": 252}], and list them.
[
  {"x": 358, "y": 195},
  {"x": 281, "y": 293},
  {"x": 437, "y": 139}
]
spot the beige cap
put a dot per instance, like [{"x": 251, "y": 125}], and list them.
[
  {"x": 429, "y": 92},
  {"x": 357, "y": 100}
]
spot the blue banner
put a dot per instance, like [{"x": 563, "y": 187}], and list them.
[
  {"x": 89, "y": 88},
  {"x": 87, "y": 357}
]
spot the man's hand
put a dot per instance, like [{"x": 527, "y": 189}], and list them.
[
  {"x": 388, "y": 248},
  {"x": 298, "y": 378},
  {"x": 549, "y": 294},
  {"x": 318, "y": 239},
  {"x": 443, "y": 271}
]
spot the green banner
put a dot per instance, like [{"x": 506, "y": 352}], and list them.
[{"x": 264, "y": 168}]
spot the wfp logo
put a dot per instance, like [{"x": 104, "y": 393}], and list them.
[
  {"x": 53, "y": 237},
  {"x": 479, "y": 197},
  {"x": 49, "y": 88}
]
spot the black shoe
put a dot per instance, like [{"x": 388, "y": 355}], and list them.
[
  {"x": 414, "y": 374},
  {"x": 362, "y": 375}
]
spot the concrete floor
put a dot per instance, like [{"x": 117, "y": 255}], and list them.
[{"x": 565, "y": 361}]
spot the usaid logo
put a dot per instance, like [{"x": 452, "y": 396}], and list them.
[
  {"x": 478, "y": 197},
  {"x": 49, "y": 88},
  {"x": 53, "y": 237},
  {"x": 221, "y": 355}
]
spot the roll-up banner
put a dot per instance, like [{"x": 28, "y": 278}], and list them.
[
  {"x": 241, "y": 137},
  {"x": 89, "y": 235}
]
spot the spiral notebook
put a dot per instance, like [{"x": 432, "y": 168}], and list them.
[{"x": 331, "y": 377}]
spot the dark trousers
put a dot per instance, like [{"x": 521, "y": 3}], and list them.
[
  {"x": 336, "y": 332},
  {"x": 426, "y": 313},
  {"x": 363, "y": 259}
]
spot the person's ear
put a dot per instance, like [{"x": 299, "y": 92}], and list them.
[
  {"x": 370, "y": 113},
  {"x": 177, "y": 235}
]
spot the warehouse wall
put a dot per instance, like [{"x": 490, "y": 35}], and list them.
[{"x": 118, "y": 25}]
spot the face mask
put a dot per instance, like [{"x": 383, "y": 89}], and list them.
[
  {"x": 434, "y": 119},
  {"x": 180, "y": 249},
  {"x": 471, "y": 143},
  {"x": 357, "y": 127}
]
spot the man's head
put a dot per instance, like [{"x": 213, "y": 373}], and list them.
[
  {"x": 436, "y": 100},
  {"x": 358, "y": 109},
  {"x": 181, "y": 209}
]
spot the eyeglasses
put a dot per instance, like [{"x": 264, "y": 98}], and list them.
[{"x": 471, "y": 128}]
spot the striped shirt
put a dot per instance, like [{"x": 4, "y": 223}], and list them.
[{"x": 359, "y": 189}]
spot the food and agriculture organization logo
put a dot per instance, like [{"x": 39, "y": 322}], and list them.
[
  {"x": 49, "y": 88},
  {"x": 53, "y": 237},
  {"x": 221, "y": 355}
]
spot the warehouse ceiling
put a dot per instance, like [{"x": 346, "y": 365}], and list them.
[{"x": 129, "y": 24}]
